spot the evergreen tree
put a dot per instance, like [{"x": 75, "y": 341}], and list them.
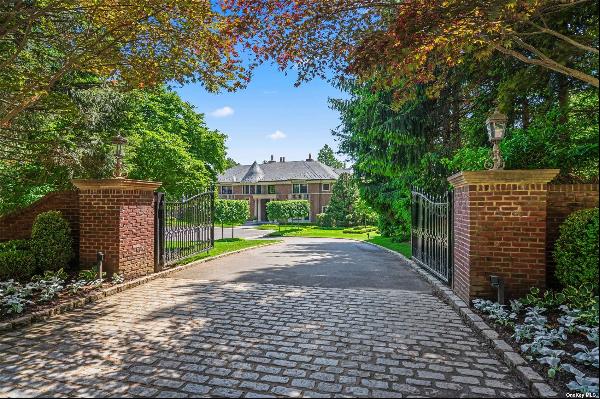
[
  {"x": 344, "y": 197},
  {"x": 327, "y": 157}
]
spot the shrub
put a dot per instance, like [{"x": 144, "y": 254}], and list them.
[
  {"x": 16, "y": 260},
  {"x": 282, "y": 211},
  {"x": 324, "y": 220},
  {"x": 576, "y": 250},
  {"x": 51, "y": 242},
  {"x": 232, "y": 212}
]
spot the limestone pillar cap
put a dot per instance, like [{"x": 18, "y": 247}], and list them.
[
  {"x": 529, "y": 176},
  {"x": 115, "y": 184}
]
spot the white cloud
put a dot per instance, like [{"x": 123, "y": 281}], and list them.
[
  {"x": 278, "y": 135},
  {"x": 222, "y": 112}
]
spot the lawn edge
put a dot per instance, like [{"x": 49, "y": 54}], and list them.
[
  {"x": 534, "y": 381},
  {"x": 75, "y": 303}
]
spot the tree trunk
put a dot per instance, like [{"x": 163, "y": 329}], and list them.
[{"x": 563, "y": 98}]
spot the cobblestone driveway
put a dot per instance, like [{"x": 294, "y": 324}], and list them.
[{"x": 184, "y": 337}]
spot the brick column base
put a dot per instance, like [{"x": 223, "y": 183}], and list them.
[
  {"x": 500, "y": 229},
  {"x": 117, "y": 218}
]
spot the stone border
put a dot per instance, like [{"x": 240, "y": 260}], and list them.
[
  {"x": 534, "y": 381},
  {"x": 80, "y": 302}
]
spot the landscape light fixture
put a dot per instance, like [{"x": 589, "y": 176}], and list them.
[
  {"x": 119, "y": 142},
  {"x": 496, "y": 127}
]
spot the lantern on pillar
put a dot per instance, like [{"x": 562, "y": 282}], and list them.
[
  {"x": 119, "y": 142},
  {"x": 496, "y": 127}
]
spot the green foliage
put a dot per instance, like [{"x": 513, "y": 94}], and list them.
[
  {"x": 51, "y": 242},
  {"x": 231, "y": 211},
  {"x": 583, "y": 298},
  {"x": 576, "y": 250},
  {"x": 327, "y": 157},
  {"x": 344, "y": 197},
  {"x": 282, "y": 211},
  {"x": 168, "y": 142},
  {"x": 16, "y": 260},
  {"x": 324, "y": 220},
  {"x": 360, "y": 229}
]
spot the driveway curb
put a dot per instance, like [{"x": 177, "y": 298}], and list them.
[
  {"x": 534, "y": 381},
  {"x": 80, "y": 302}
]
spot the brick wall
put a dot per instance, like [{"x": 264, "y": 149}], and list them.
[
  {"x": 509, "y": 224},
  {"x": 563, "y": 199},
  {"x": 500, "y": 229},
  {"x": 17, "y": 225},
  {"x": 117, "y": 218},
  {"x": 461, "y": 278}
]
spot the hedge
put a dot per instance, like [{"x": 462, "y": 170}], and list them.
[
  {"x": 16, "y": 260},
  {"x": 576, "y": 250},
  {"x": 51, "y": 242},
  {"x": 231, "y": 212},
  {"x": 281, "y": 211},
  {"x": 49, "y": 249}
]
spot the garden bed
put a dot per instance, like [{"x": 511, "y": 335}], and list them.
[
  {"x": 51, "y": 290},
  {"x": 557, "y": 334},
  {"x": 54, "y": 290}
]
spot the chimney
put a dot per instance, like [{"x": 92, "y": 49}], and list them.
[
  {"x": 281, "y": 159},
  {"x": 309, "y": 157},
  {"x": 272, "y": 159}
]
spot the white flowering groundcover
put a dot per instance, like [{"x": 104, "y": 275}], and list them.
[
  {"x": 561, "y": 343},
  {"x": 45, "y": 291}
]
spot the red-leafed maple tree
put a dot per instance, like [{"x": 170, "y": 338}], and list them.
[{"x": 418, "y": 41}]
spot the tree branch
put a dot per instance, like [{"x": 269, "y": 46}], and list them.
[{"x": 566, "y": 39}]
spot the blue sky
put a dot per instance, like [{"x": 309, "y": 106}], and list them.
[{"x": 270, "y": 116}]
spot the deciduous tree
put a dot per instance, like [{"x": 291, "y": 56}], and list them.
[
  {"x": 419, "y": 41},
  {"x": 46, "y": 46}
]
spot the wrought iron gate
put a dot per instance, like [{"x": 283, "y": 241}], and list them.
[
  {"x": 431, "y": 236},
  {"x": 183, "y": 228}
]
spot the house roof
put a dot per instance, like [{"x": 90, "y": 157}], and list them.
[{"x": 280, "y": 171}]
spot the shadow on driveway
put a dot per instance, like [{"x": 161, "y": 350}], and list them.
[{"x": 314, "y": 262}]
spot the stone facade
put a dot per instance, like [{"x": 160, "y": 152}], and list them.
[
  {"x": 117, "y": 218},
  {"x": 563, "y": 199},
  {"x": 500, "y": 229}
]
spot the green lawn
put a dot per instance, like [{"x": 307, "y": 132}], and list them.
[
  {"x": 320, "y": 232},
  {"x": 402, "y": 247},
  {"x": 226, "y": 245},
  {"x": 307, "y": 230}
]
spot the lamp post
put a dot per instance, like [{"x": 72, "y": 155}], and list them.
[
  {"x": 496, "y": 127},
  {"x": 119, "y": 141}
]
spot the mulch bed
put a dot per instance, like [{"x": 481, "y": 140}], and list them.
[{"x": 562, "y": 378}]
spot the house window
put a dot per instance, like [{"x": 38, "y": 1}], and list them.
[
  {"x": 300, "y": 189},
  {"x": 326, "y": 187},
  {"x": 249, "y": 189},
  {"x": 271, "y": 189},
  {"x": 259, "y": 189},
  {"x": 226, "y": 189},
  {"x": 323, "y": 209}
]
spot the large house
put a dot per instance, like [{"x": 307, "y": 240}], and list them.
[{"x": 275, "y": 181}]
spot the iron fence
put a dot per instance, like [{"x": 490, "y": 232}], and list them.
[
  {"x": 183, "y": 228},
  {"x": 431, "y": 233}
]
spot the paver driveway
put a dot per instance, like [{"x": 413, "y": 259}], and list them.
[{"x": 262, "y": 329}]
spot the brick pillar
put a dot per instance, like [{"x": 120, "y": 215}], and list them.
[
  {"x": 117, "y": 218},
  {"x": 500, "y": 229}
]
